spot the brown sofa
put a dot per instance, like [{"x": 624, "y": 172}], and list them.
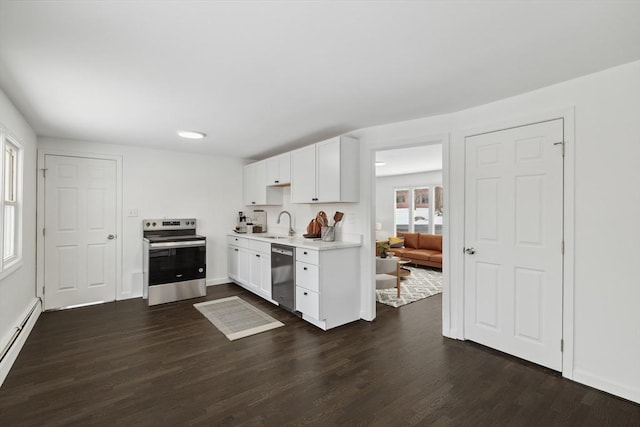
[{"x": 420, "y": 248}]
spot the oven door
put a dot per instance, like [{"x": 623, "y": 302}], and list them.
[{"x": 171, "y": 262}]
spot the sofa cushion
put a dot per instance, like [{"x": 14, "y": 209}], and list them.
[
  {"x": 396, "y": 242},
  {"x": 410, "y": 239},
  {"x": 430, "y": 241},
  {"x": 399, "y": 252},
  {"x": 436, "y": 258},
  {"x": 420, "y": 254}
]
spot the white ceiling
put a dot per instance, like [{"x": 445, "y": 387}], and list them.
[
  {"x": 262, "y": 77},
  {"x": 403, "y": 161}
]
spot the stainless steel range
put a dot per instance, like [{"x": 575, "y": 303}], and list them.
[{"x": 175, "y": 260}]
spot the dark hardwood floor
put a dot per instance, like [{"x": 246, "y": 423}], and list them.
[{"x": 127, "y": 364}]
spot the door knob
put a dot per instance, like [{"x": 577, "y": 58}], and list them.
[
  {"x": 470, "y": 251},
  {"x": 111, "y": 236}
]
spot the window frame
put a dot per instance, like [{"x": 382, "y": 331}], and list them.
[
  {"x": 411, "y": 206},
  {"x": 9, "y": 265}
]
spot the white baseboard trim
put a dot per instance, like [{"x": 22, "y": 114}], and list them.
[
  {"x": 14, "y": 350},
  {"x": 367, "y": 316},
  {"x": 218, "y": 281},
  {"x": 617, "y": 389}
]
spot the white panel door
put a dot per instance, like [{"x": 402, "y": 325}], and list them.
[
  {"x": 513, "y": 238},
  {"x": 80, "y": 231}
]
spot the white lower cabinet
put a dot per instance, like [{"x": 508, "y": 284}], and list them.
[
  {"x": 249, "y": 264},
  {"x": 238, "y": 260},
  {"x": 328, "y": 286},
  {"x": 260, "y": 271},
  {"x": 308, "y": 302},
  {"x": 327, "y": 282}
]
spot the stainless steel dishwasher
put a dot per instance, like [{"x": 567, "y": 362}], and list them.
[{"x": 283, "y": 285}]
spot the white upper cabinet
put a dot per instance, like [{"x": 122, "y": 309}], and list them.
[
  {"x": 326, "y": 172},
  {"x": 303, "y": 175},
  {"x": 256, "y": 191},
  {"x": 279, "y": 169}
]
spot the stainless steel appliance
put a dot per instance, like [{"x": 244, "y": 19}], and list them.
[
  {"x": 175, "y": 260},
  {"x": 283, "y": 286}
]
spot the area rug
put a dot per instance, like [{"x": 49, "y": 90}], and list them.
[
  {"x": 420, "y": 284},
  {"x": 236, "y": 318}
]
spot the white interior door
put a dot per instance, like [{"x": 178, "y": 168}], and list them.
[
  {"x": 80, "y": 231},
  {"x": 513, "y": 241}
]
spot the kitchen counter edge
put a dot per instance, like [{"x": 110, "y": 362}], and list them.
[{"x": 300, "y": 242}]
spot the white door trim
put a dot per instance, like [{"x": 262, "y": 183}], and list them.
[
  {"x": 40, "y": 214},
  {"x": 368, "y": 303},
  {"x": 457, "y": 287}
]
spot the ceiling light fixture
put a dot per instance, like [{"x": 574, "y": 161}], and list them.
[
  {"x": 191, "y": 134},
  {"x": 379, "y": 163}
]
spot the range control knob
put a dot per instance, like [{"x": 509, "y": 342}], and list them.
[
  {"x": 154, "y": 224},
  {"x": 148, "y": 224}
]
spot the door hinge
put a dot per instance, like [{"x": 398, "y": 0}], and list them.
[
  {"x": 43, "y": 232},
  {"x": 562, "y": 247},
  {"x": 562, "y": 144},
  {"x": 561, "y": 346},
  {"x": 43, "y": 290},
  {"x": 44, "y": 172}
]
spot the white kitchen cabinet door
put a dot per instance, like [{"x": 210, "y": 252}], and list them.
[
  {"x": 255, "y": 187},
  {"x": 232, "y": 262},
  {"x": 265, "y": 286},
  {"x": 278, "y": 169},
  {"x": 326, "y": 172},
  {"x": 249, "y": 184},
  {"x": 243, "y": 266},
  {"x": 256, "y": 274},
  {"x": 338, "y": 171},
  {"x": 238, "y": 264},
  {"x": 303, "y": 175}
]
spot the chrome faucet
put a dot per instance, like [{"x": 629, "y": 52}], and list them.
[{"x": 292, "y": 232}]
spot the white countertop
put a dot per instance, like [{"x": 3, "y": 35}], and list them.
[{"x": 298, "y": 241}]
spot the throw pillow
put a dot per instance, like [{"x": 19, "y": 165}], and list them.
[
  {"x": 396, "y": 242},
  {"x": 410, "y": 239}
]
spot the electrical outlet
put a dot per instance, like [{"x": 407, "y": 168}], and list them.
[{"x": 133, "y": 212}]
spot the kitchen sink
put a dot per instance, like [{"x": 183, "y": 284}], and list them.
[{"x": 276, "y": 237}]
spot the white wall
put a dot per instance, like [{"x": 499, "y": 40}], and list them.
[
  {"x": 17, "y": 291},
  {"x": 385, "y": 196},
  {"x": 302, "y": 214},
  {"x": 170, "y": 184},
  {"x": 604, "y": 344}
]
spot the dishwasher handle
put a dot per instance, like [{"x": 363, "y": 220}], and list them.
[{"x": 282, "y": 251}]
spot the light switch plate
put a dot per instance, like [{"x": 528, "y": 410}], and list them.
[{"x": 133, "y": 212}]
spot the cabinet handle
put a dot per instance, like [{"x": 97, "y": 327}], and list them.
[
  {"x": 304, "y": 268},
  {"x": 276, "y": 181},
  {"x": 258, "y": 255},
  {"x": 305, "y": 252},
  {"x": 306, "y": 293},
  {"x": 236, "y": 250},
  {"x": 253, "y": 203}
]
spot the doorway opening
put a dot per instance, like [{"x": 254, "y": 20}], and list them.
[{"x": 409, "y": 215}]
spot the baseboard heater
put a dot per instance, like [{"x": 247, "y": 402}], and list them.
[{"x": 18, "y": 330}]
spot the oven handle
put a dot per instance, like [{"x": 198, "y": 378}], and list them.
[{"x": 186, "y": 244}]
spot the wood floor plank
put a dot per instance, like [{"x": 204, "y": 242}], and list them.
[{"x": 124, "y": 363}]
